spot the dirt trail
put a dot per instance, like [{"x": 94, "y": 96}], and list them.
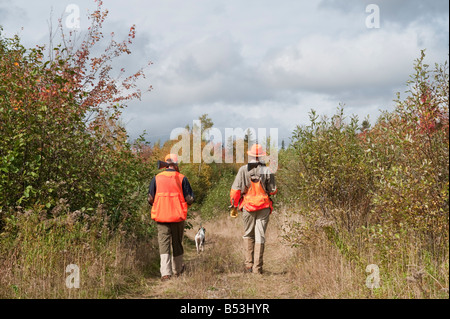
[{"x": 218, "y": 271}]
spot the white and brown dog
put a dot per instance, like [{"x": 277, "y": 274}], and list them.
[{"x": 200, "y": 239}]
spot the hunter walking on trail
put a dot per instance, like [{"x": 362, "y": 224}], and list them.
[
  {"x": 250, "y": 192},
  {"x": 170, "y": 195}
]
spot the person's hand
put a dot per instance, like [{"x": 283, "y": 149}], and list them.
[{"x": 150, "y": 200}]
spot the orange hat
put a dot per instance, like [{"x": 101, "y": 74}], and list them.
[
  {"x": 256, "y": 151},
  {"x": 171, "y": 158}
]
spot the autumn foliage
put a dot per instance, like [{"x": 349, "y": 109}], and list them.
[
  {"x": 381, "y": 193},
  {"x": 60, "y": 125}
]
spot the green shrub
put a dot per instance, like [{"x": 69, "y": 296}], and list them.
[
  {"x": 410, "y": 151},
  {"x": 217, "y": 200},
  {"x": 36, "y": 250},
  {"x": 331, "y": 170}
]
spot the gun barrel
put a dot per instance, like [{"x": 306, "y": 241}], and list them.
[{"x": 162, "y": 164}]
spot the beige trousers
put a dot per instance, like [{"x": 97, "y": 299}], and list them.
[
  {"x": 255, "y": 225},
  {"x": 170, "y": 241}
]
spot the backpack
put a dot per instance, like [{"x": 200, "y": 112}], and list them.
[{"x": 256, "y": 197}]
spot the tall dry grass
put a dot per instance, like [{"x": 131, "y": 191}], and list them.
[
  {"x": 332, "y": 264},
  {"x": 312, "y": 267},
  {"x": 36, "y": 249},
  {"x": 323, "y": 272},
  {"x": 115, "y": 265}
]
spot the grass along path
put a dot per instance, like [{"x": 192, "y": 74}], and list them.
[{"x": 218, "y": 271}]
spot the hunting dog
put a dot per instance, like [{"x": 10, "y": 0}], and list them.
[{"x": 200, "y": 239}]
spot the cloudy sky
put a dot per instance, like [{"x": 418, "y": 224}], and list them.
[{"x": 256, "y": 63}]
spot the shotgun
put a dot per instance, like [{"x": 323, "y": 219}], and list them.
[
  {"x": 251, "y": 166},
  {"x": 162, "y": 165}
]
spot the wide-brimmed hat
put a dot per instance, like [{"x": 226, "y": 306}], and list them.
[{"x": 256, "y": 151}]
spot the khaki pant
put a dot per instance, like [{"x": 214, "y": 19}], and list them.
[
  {"x": 170, "y": 241},
  {"x": 255, "y": 225}
]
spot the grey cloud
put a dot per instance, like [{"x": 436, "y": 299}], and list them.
[
  {"x": 259, "y": 63},
  {"x": 208, "y": 72},
  {"x": 328, "y": 65},
  {"x": 395, "y": 11},
  {"x": 240, "y": 95},
  {"x": 9, "y": 12},
  {"x": 211, "y": 56}
]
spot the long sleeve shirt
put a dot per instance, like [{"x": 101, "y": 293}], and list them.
[{"x": 244, "y": 176}]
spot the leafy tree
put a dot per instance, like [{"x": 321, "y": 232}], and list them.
[{"x": 60, "y": 126}]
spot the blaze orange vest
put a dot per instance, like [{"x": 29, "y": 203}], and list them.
[
  {"x": 256, "y": 198},
  {"x": 169, "y": 205}
]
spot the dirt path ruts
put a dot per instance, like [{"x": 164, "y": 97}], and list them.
[{"x": 218, "y": 271}]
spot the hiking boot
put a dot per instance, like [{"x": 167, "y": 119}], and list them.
[
  {"x": 165, "y": 278},
  {"x": 248, "y": 270},
  {"x": 249, "y": 248},
  {"x": 183, "y": 268},
  {"x": 177, "y": 265},
  {"x": 258, "y": 271},
  {"x": 259, "y": 253}
]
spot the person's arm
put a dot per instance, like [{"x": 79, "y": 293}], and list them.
[
  {"x": 187, "y": 191},
  {"x": 151, "y": 192},
  {"x": 238, "y": 188},
  {"x": 271, "y": 185}
]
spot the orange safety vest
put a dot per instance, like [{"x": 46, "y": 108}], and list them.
[
  {"x": 169, "y": 205},
  {"x": 256, "y": 198}
]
